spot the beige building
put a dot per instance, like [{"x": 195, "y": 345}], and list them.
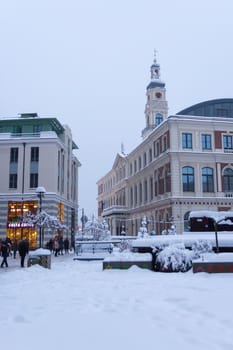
[
  {"x": 36, "y": 152},
  {"x": 184, "y": 163}
]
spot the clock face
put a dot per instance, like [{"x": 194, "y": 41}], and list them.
[{"x": 158, "y": 94}]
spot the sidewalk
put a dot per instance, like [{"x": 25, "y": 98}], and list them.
[{"x": 14, "y": 264}]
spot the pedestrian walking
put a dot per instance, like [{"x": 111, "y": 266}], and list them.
[
  {"x": 61, "y": 244},
  {"x": 56, "y": 246},
  {"x": 9, "y": 243},
  {"x": 4, "y": 252},
  {"x": 23, "y": 250},
  {"x": 15, "y": 248},
  {"x": 66, "y": 245}
]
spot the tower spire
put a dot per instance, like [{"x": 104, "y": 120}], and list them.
[
  {"x": 155, "y": 68},
  {"x": 156, "y": 109}
]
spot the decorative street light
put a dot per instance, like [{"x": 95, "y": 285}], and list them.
[
  {"x": 40, "y": 191},
  {"x": 216, "y": 231}
]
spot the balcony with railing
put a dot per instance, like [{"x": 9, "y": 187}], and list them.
[{"x": 115, "y": 209}]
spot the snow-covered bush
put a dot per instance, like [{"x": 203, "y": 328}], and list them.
[
  {"x": 168, "y": 231},
  {"x": 200, "y": 247},
  {"x": 173, "y": 258},
  {"x": 125, "y": 245}
]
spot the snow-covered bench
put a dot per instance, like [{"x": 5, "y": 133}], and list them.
[{"x": 126, "y": 260}]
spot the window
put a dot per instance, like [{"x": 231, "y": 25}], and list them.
[
  {"x": 157, "y": 149},
  {"x": 131, "y": 169},
  {"x": 14, "y": 155},
  {"x": 206, "y": 141},
  {"x": 227, "y": 142},
  {"x": 144, "y": 159},
  {"x": 150, "y": 155},
  {"x": 154, "y": 148},
  {"x": 151, "y": 188},
  {"x": 13, "y": 171},
  {"x": 34, "y": 154},
  {"x": 140, "y": 193},
  {"x": 188, "y": 179},
  {"x": 131, "y": 196},
  {"x": 145, "y": 191},
  {"x": 139, "y": 163},
  {"x": 33, "y": 180},
  {"x": 135, "y": 166},
  {"x": 158, "y": 119},
  {"x": 155, "y": 183},
  {"x": 164, "y": 143},
  {"x": 17, "y": 129},
  {"x": 207, "y": 180},
  {"x": 36, "y": 129},
  {"x": 166, "y": 181},
  {"x": 187, "y": 140},
  {"x": 228, "y": 180},
  {"x": 135, "y": 195},
  {"x": 13, "y": 181}
]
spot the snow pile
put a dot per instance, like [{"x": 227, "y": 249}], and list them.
[
  {"x": 129, "y": 256},
  {"x": 40, "y": 252}
]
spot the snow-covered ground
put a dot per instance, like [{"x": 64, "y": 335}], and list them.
[{"x": 78, "y": 305}]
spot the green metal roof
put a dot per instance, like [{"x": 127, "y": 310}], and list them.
[
  {"x": 26, "y": 121},
  {"x": 222, "y": 107}
]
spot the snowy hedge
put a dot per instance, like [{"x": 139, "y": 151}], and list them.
[{"x": 176, "y": 258}]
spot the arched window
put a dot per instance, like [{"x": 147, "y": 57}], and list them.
[
  {"x": 158, "y": 119},
  {"x": 207, "y": 180},
  {"x": 228, "y": 180},
  {"x": 188, "y": 179}
]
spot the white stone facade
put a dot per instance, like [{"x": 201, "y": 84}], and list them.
[
  {"x": 184, "y": 163},
  {"x": 55, "y": 167}
]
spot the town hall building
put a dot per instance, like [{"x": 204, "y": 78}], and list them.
[{"x": 184, "y": 163}]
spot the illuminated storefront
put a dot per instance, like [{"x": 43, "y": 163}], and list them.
[{"x": 17, "y": 229}]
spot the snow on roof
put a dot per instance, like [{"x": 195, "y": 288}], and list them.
[{"x": 216, "y": 215}]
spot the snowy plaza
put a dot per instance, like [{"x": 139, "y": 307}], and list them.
[{"x": 79, "y": 305}]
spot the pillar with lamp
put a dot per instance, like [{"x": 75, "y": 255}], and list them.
[{"x": 40, "y": 191}]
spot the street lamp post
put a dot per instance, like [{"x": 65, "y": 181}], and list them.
[
  {"x": 40, "y": 191},
  {"x": 216, "y": 231}
]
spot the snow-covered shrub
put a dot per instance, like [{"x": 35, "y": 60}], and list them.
[
  {"x": 125, "y": 245},
  {"x": 174, "y": 258},
  {"x": 168, "y": 231},
  {"x": 200, "y": 247}
]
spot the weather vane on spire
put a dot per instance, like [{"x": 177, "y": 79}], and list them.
[{"x": 155, "y": 51}]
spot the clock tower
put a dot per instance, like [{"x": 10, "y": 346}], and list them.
[{"x": 156, "y": 109}]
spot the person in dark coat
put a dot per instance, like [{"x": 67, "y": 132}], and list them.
[
  {"x": 23, "y": 250},
  {"x": 15, "y": 248},
  {"x": 66, "y": 245},
  {"x": 5, "y": 252}
]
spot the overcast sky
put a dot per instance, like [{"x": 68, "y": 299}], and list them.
[{"x": 88, "y": 64}]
